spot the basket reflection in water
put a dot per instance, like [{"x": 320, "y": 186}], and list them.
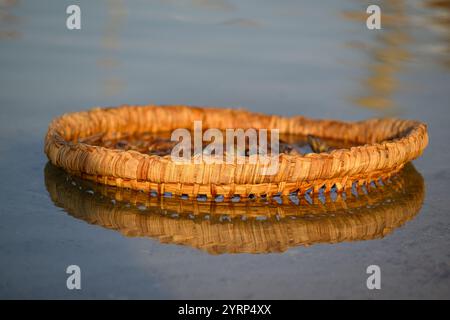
[{"x": 246, "y": 226}]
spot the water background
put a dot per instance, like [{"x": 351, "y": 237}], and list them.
[{"x": 316, "y": 59}]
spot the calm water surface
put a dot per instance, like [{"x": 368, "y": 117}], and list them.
[{"x": 314, "y": 59}]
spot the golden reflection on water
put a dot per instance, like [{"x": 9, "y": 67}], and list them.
[
  {"x": 440, "y": 21},
  {"x": 386, "y": 56},
  {"x": 395, "y": 44},
  {"x": 251, "y": 226},
  {"x": 8, "y": 20},
  {"x": 113, "y": 84}
]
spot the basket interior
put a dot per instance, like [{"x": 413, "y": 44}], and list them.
[{"x": 161, "y": 144}]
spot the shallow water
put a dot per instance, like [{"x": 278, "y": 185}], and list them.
[{"x": 314, "y": 59}]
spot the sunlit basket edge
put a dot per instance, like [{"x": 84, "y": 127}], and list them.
[{"x": 386, "y": 146}]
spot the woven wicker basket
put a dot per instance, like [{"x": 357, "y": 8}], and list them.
[
  {"x": 203, "y": 225},
  {"x": 386, "y": 145}
]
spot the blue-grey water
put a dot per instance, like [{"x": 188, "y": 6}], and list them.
[{"x": 312, "y": 58}]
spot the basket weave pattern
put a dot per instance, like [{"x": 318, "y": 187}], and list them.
[{"x": 386, "y": 145}]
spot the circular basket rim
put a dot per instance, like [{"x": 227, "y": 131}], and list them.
[{"x": 386, "y": 145}]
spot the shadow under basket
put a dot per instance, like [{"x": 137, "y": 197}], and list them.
[{"x": 384, "y": 146}]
